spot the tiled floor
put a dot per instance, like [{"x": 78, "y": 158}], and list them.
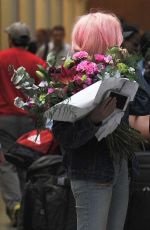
[{"x": 4, "y": 221}]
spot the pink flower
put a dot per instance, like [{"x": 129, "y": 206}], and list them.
[
  {"x": 78, "y": 79},
  {"x": 103, "y": 67},
  {"x": 88, "y": 81},
  {"x": 50, "y": 90},
  {"x": 88, "y": 67},
  {"x": 30, "y": 103},
  {"x": 108, "y": 59},
  {"x": 92, "y": 68},
  {"x": 85, "y": 86},
  {"x": 99, "y": 57},
  {"x": 80, "y": 55}
]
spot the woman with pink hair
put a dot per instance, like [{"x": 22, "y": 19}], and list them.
[
  {"x": 96, "y": 32},
  {"x": 99, "y": 183}
]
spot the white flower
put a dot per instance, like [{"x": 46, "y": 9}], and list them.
[
  {"x": 131, "y": 70},
  {"x": 43, "y": 84}
]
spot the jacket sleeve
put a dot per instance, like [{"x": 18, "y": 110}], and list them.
[
  {"x": 141, "y": 104},
  {"x": 74, "y": 135}
]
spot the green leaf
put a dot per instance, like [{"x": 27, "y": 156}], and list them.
[
  {"x": 51, "y": 60},
  {"x": 18, "y": 102},
  {"x": 42, "y": 70}
]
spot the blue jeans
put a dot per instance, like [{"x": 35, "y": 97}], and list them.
[{"x": 102, "y": 206}]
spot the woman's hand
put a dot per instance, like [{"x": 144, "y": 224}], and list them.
[{"x": 103, "y": 110}]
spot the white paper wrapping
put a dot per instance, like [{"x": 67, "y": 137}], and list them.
[
  {"x": 83, "y": 102},
  {"x": 76, "y": 107},
  {"x": 109, "y": 125}
]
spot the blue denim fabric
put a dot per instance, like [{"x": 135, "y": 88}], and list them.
[{"x": 102, "y": 206}]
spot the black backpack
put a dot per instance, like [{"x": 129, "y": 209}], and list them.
[
  {"x": 138, "y": 215},
  {"x": 48, "y": 202},
  {"x": 17, "y": 154}
]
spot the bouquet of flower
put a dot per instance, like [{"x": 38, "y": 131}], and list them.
[{"x": 78, "y": 72}]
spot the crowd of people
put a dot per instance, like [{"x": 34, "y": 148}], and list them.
[
  {"x": 97, "y": 200},
  {"x": 50, "y": 41}
]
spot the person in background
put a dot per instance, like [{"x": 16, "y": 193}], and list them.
[
  {"x": 135, "y": 44},
  {"x": 145, "y": 42},
  {"x": 13, "y": 120},
  {"x": 42, "y": 40},
  {"x": 57, "y": 45},
  {"x": 32, "y": 47},
  {"x": 42, "y": 36},
  {"x": 144, "y": 47},
  {"x": 131, "y": 37},
  {"x": 147, "y": 67},
  {"x": 123, "y": 22}
]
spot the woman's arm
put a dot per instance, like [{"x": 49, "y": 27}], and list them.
[{"x": 74, "y": 135}]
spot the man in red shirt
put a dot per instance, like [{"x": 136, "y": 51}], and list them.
[{"x": 14, "y": 121}]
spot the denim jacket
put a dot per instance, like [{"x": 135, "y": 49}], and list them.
[{"x": 85, "y": 157}]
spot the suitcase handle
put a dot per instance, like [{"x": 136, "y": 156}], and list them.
[{"x": 142, "y": 166}]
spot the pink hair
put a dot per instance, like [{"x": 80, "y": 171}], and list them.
[{"x": 96, "y": 32}]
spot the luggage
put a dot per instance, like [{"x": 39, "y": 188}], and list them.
[
  {"x": 39, "y": 141},
  {"x": 48, "y": 202},
  {"x": 138, "y": 215},
  {"x": 29, "y": 147},
  {"x": 21, "y": 156}
]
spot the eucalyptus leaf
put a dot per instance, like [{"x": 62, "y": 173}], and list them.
[
  {"x": 16, "y": 78},
  {"x": 19, "y": 102},
  {"x": 51, "y": 60}
]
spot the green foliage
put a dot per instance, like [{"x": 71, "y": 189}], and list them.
[
  {"x": 124, "y": 142},
  {"x": 51, "y": 60},
  {"x": 43, "y": 73}
]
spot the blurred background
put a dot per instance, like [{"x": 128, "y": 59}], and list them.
[
  {"x": 51, "y": 21},
  {"x": 48, "y": 13}
]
